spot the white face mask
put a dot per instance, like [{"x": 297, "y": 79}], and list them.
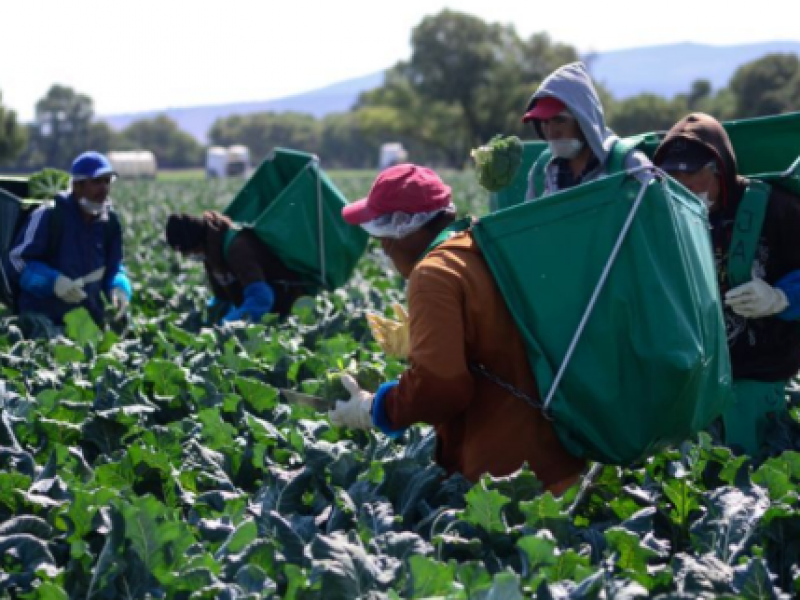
[
  {"x": 92, "y": 208},
  {"x": 568, "y": 149}
]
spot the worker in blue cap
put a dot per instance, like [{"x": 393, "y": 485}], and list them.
[{"x": 69, "y": 253}]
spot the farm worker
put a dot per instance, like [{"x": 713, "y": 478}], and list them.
[
  {"x": 566, "y": 112},
  {"x": 249, "y": 279},
  {"x": 458, "y": 325},
  {"x": 70, "y": 254},
  {"x": 761, "y": 313}
]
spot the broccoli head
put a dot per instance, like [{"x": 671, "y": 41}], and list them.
[{"x": 497, "y": 162}]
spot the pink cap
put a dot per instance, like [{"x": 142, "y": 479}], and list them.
[
  {"x": 403, "y": 188},
  {"x": 545, "y": 108}
]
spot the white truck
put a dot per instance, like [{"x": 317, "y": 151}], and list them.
[
  {"x": 392, "y": 153},
  {"x": 134, "y": 164},
  {"x": 227, "y": 162}
]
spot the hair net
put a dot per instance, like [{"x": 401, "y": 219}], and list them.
[{"x": 398, "y": 225}]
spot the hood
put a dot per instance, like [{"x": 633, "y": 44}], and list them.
[
  {"x": 572, "y": 85},
  {"x": 704, "y": 129}
]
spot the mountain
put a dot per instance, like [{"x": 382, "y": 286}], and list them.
[
  {"x": 197, "y": 120},
  {"x": 671, "y": 69},
  {"x": 665, "y": 70}
]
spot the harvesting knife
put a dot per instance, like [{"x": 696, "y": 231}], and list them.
[{"x": 315, "y": 402}]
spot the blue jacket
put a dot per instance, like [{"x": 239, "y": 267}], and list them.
[{"x": 83, "y": 248}]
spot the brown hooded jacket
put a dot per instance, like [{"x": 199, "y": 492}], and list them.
[{"x": 765, "y": 349}]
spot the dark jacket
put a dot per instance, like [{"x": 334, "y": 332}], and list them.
[
  {"x": 248, "y": 260},
  {"x": 765, "y": 349},
  {"x": 84, "y": 247}
]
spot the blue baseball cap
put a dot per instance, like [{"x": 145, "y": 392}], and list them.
[{"x": 91, "y": 165}]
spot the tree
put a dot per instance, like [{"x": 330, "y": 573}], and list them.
[
  {"x": 646, "y": 112},
  {"x": 262, "y": 132},
  {"x": 763, "y": 87},
  {"x": 699, "y": 92},
  {"x": 465, "y": 82},
  {"x": 172, "y": 147},
  {"x": 433, "y": 131},
  {"x": 63, "y": 126},
  {"x": 345, "y": 144},
  {"x": 13, "y": 136}
]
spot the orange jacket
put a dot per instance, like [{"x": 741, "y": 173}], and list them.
[{"x": 457, "y": 317}]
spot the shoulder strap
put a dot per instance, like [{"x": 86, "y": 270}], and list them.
[
  {"x": 747, "y": 232},
  {"x": 460, "y": 225},
  {"x": 112, "y": 227},
  {"x": 539, "y": 168},
  {"x": 55, "y": 229},
  {"x": 619, "y": 152}
]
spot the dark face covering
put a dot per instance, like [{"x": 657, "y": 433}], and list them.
[{"x": 186, "y": 233}]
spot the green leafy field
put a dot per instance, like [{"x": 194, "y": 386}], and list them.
[{"x": 159, "y": 462}]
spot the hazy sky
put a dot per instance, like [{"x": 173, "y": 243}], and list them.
[{"x": 151, "y": 54}]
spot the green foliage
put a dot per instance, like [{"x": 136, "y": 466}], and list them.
[
  {"x": 45, "y": 184},
  {"x": 13, "y": 135},
  {"x": 161, "y": 462},
  {"x": 173, "y": 148},
  {"x": 262, "y": 132},
  {"x": 497, "y": 162},
  {"x": 767, "y": 86}
]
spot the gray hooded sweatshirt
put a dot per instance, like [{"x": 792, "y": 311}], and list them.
[{"x": 572, "y": 85}]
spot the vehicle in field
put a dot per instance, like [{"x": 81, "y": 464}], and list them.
[
  {"x": 224, "y": 162},
  {"x": 134, "y": 164},
  {"x": 392, "y": 153}
]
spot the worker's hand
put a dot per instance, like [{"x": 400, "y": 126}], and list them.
[
  {"x": 69, "y": 290},
  {"x": 391, "y": 335},
  {"x": 756, "y": 299},
  {"x": 354, "y": 413},
  {"x": 119, "y": 300}
]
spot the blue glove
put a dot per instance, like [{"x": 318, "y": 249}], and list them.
[
  {"x": 39, "y": 279},
  {"x": 790, "y": 285},
  {"x": 258, "y": 301}
]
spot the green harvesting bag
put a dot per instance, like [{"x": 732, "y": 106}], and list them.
[
  {"x": 762, "y": 145},
  {"x": 650, "y": 367},
  {"x": 297, "y": 211}
]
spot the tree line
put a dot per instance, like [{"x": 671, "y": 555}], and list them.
[{"x": 466, "y": 80}]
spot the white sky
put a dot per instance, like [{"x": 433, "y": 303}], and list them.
[{"x": 130, "y": 56}]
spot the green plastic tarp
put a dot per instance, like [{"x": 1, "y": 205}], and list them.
[
  {"x": 296, "y": 210},
  {"x": 651, "y": 366}
]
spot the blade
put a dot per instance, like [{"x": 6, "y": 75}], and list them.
[{"x": 315, "y": 402}]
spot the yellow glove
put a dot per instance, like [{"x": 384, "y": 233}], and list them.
[{"x": 391, "y": 335}]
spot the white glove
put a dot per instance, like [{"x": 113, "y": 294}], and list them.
[
  {"x": 119, "y": 300},
  {"x": 353, "y": 413},
  {"x": 756, "y": 299},
  {"x": 94, "y": 276},
  {"x": 69, "y": 290}
]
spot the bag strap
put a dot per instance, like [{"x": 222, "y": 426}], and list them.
[
  {"x": 55, "y": 229},
  {"x": 619, "y": 152},
  {"x": 747, "y": 232},
  {"x": 539, "y": 168},
  {"x": 461, "y": 225}
]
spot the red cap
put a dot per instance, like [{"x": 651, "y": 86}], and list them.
[
  {"x": 403, "y": 188},
  {"x": 545, "y": 108}
]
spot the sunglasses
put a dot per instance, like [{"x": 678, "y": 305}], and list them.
[{"x": 107, "y": 179}]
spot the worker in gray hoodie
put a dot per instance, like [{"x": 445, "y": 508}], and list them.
[{"x": 567, "y": 114}]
